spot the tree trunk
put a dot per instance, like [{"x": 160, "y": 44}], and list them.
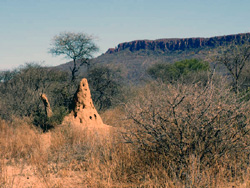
[{"x": 73, "y": 71}]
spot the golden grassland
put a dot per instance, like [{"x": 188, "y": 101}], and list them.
[
  {"x": 70, "y": 158},
  {"x": 164, "y": 136}
]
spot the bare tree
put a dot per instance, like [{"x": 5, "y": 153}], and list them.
[
  {"x": 20, "y": 92},
  {"x": 77, "y": 46},
  {"x": 105, "y": 84},
  {"x": 235, "y": 58},
  {"x": 182, "y": 121}
]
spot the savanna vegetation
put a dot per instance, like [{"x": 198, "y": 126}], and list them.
[{"x": 187, "y": 126}]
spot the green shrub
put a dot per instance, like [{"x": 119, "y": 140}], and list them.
[
  {"x": 45, "y": 123},
  {"x": 172, "y": 72}
]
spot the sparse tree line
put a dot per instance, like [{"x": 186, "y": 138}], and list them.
[
  {"x": 20, "y": 92},
  {"x": 187, "y": 114},
  {"x": 20, "y": 88}
]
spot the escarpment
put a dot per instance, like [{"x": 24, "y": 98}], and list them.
[{"x": 168, "y": 45}]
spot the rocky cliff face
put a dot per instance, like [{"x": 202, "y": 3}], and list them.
[{"x": 168, "y": 45}]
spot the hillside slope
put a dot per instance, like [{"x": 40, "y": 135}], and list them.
[{"x": 135, "y": 57}]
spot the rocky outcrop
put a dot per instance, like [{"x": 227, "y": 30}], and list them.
[
  {"x": 84, "y": 113},
  {"x": 47, "y": 107},
  {"x": 168, "y": 45}
]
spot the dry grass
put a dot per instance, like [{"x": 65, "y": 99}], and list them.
[
  {"x": 65, "y": 158},
  {"x": 75, "y": 158}
]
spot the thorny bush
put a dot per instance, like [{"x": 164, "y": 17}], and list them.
[{"x": 187, "y": 123}]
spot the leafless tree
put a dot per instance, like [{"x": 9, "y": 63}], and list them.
[
  {"x": 20, "y": 92},
  {"x": 235, "y": 58},
  {"x": 182, "y": 121},
  {"x": 77, "y": 46}
]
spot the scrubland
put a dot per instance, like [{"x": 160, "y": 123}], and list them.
[
  {"x": 185, "y": 125},
  {"x": 164, "y": 135}
]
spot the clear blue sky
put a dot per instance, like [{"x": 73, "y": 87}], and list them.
[{"x": 27, "y": 26}]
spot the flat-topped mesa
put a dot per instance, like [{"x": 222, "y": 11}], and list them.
[
  {"x": 84, "y": 112},
  {"x": 169, "y": 45}
]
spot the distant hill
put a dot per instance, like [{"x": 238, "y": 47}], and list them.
[
  {"x": 135, "y": 57},
  {"x": 170, "y": 45}
]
